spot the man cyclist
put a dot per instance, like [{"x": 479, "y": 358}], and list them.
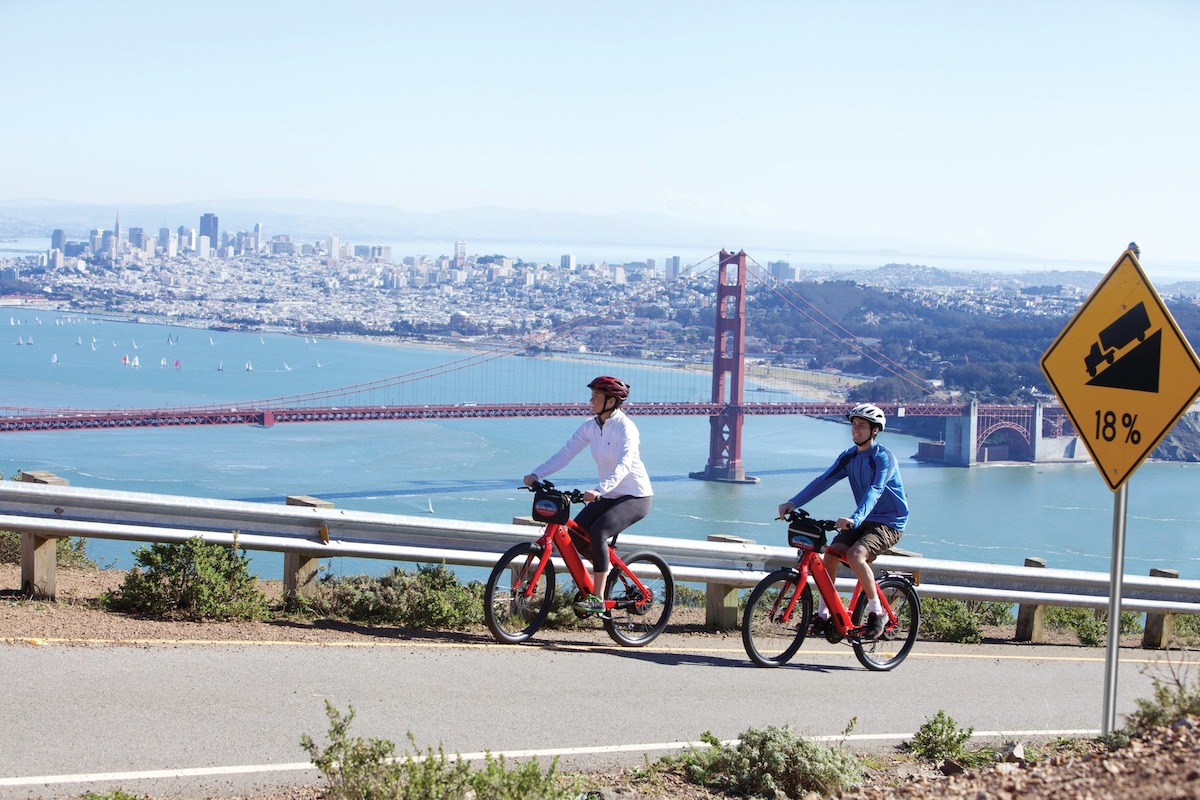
[
  {"x": 623, "y": 494},
  {"x": 875, "y": 525}
]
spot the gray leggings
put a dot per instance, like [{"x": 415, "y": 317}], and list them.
[{"x": 605, "y": 518}]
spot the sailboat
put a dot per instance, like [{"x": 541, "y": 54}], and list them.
[
  {"x": 78, "y": 340},
  {"x": 54, "y": 359},
  {"x": 210, "y": 341},
  {"x": 93, "y": 344},
  {"x": 221, "y": 366},
  {"x": 136, "y": 363},
  {"x": 318, "y": 363},
  {"x": 135, "y": 347},
  {"x": 20, "y": 340},
  {"x": 125, "y": 360},
  {"x": 177, "y": 363},
  {"x": 249, "y": 367},
  {"x": 163, "y": 363},
  {"x": 286, "y": 368}
]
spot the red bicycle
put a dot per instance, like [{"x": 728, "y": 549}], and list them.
[
  {"x": 779, "y": 611},
  {"x": 639, "y": 592}
]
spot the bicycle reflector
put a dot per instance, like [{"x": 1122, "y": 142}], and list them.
[
  {"x": 806, "y": 534},
  {"x": 551, "y": 508}
]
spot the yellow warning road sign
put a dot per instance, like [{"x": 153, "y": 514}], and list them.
[{"x": 1122, "y": 370}]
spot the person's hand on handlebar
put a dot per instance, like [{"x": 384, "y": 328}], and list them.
[
  {"x": 591, "y": 496},
  {"x": 530, "y": 479},
  {"x": 844, "y": 524},
  {"x": 784, "y": 509}
]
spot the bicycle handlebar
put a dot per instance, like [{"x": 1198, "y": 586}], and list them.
[
  {"x": 572, "y": 495},
  {"x": 797, "y": 514}
]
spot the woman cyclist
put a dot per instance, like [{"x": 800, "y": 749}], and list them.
[
  {"x": 622, "y": 495},
  {"x": 878, "y": 520}
]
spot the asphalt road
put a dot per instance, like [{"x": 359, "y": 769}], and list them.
[{"x": 191, "y": 720}]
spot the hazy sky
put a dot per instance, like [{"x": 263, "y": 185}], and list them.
[{"x": 1056, "y": 129}]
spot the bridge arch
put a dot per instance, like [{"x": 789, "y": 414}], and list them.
[{"x": 1020, "y": 448}]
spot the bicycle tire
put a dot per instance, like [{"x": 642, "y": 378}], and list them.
[
  {"x": 769, "y": 640},
  {"x": 633, "y": 625},
  {"x": 510, "y": 616},
  {"x": 893, "y": 647}
]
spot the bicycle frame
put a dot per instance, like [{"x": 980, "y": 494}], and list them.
[
  {"x": 811, "y": 563},
  {"x": 557, "y": 536}
]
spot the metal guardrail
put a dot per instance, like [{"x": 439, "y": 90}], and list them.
[{"x": 46, "y": 512}]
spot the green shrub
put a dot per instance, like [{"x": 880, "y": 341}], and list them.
[
  {"x": 690, "y": 597},
  {"x": 192, "y": 580},
  {"x": 949, "y": 621},
  {"x": 358, "y": 769},
  {"x": 431, "y": 597},
  {"x": 1175, "y": 696},
  {"x": 1187, "y": 630},
  {"x": 940, "y": 738},
  {"x": 1090, "y": 626},
  {"x": 771, "y": 762},
  {"x": 69, "y": 552}
]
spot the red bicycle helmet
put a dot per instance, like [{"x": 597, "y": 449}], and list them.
[{"x": 610, "y": 387}]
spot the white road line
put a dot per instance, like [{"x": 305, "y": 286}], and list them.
[{"x": 300, "y": 766}]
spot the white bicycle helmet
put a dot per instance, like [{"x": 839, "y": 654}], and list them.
[{"x": 870, "y": 413}]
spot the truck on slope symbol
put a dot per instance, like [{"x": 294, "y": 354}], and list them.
[{"x": 1131, "y": 325}]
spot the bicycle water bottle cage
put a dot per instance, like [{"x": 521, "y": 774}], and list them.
[
  {"x": 550, "y": 507},
  {"x": 805, "y": 533}
]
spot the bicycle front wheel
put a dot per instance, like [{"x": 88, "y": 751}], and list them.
[
  {"x": 639, "y": 616},
  {"x": 514, "y": 605},
  {"x": 890, "y": 649},
  {"x": 770, "y": 634}
]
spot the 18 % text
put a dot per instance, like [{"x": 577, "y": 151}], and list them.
[{"x": 1106, "y": 427}]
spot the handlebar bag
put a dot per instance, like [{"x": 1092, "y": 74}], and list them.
[
  {"x": 806, "y": 534},
  {"x": 550, "y": 508}
]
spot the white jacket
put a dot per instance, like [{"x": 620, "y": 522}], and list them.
[{"x": 615, "y": 447}]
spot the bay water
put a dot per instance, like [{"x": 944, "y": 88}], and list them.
[{"x": 471, "y": 469}]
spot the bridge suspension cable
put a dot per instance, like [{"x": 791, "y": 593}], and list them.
[{"x": 835, "y": 329}]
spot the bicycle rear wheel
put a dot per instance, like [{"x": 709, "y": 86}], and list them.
[
  {"x": 512, "y": 613},
  {"x": 770, "y": 635},
  {"x": 890, "y": 649},
  {"x": 637, "y": 619}
]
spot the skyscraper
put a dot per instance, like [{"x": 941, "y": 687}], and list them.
[
  {"x": 208, "y": 227},
  {"x": 460, "y": 253}
]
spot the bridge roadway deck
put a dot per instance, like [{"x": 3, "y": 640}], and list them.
[{"x": 20, "y": 420}]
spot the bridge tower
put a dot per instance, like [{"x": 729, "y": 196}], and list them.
[{"x": 729, "y": 351}]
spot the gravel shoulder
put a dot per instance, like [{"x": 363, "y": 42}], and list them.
[{"x": 1163, "y": 766}]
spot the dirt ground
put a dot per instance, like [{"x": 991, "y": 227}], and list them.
[{"x": 1163, "y": 766}]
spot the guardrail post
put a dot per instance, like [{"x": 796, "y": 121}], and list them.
[
  {"x": 1031, "y": 619},
  {"x": 39, "y": 557},
  {"x": 39, "y": 554},
  {"x": 721, "y": 599},
  {"x": 1160, "y": 626},
  {"x": 300, "y": 571}
]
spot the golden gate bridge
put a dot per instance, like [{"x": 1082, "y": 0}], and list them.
[{"x": 724, "y": 400}]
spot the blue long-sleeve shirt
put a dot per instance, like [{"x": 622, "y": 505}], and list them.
[{"x": 875, "y": 481}]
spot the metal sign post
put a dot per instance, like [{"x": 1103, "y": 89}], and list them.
[{"x": 1116, "y": 574}]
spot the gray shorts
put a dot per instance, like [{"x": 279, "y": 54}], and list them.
[{"x": 875, "y": 535}]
